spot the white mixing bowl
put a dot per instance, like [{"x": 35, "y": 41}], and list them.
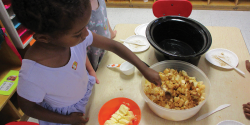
[{"x": 192, "y": 71}]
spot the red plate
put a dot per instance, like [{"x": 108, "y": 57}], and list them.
[
  {"x": 22, "y": 123},
  {"x": 110, "y": 107}
]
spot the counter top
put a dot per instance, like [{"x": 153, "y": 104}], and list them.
[{"x": 227, "y": 86}]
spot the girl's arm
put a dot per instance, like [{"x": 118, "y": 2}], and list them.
[
  {"x": 90, "y": 69},
  {"x": 125, "y": 53},
  {"x": 112, "y": 32},
  {"x": 38, "y": 112}
]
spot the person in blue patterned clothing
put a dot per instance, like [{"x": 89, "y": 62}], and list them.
[{"x": 98, "y": 24}]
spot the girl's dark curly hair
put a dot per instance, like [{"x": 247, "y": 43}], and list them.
[{"x": 49, "y": 16}]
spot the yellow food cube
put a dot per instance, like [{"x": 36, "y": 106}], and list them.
[
  {"x": 184, "y": 73},
  {"x": 109, "y": 122},
  {"x": 202, "y": 87},
  {"x": 124, "y": 121},
  {"x": 181, "y": 102},
  {"x": 193, "y": 78},
  {"x": 167, "y": 106},
  {"x": 176, "y": 99},
  {"x": 119, "y": 124},
  {"x": 162, "y": 76},
  {"x": 119, "y": 113},
  {"x": 113, "y": 120},
  {"x": 195, "y": 84},
  {"x": 123, "y": 109},
  {"x": 179, "y": 89},
  {"x": 116, "y": 117},
  {"x": 166, "y": 71},
  {"x": 130, "y": 113},
  {"x": 129, "y": 118},
  {"x": 177, "y": 77}
]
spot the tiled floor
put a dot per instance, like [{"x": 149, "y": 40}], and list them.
[{"x": 240, "y": 19}]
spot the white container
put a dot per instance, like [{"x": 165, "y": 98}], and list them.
[
  {"x": 127, "y": 68},
  {"x": 192, "y": 71}
]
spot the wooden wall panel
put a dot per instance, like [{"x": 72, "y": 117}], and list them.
[{"x": 236, "y": 5}]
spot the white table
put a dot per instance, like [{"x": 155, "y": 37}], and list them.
[{"x": 227, "y": 86}]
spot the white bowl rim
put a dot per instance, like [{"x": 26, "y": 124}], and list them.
[
  {"x": 230, "y": 121},
  {"x": 180, "y": 62}
]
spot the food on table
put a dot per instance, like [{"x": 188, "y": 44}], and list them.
[
  {"x": 186, "y": 91},
  {"x": 136, "y": 42},
  {"x": 221, "y": 55},
  {"x": 121, "y": 117}
]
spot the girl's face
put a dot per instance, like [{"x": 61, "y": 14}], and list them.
[{"x": 77, "y": 34}]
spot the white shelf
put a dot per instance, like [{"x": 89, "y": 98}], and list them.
[
  {"x": 6, "y": 17},
  {"x": 11, "y": 13}
]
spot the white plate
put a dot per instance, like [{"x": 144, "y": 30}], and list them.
[
  {"x": 137, "y": 48},
  {"x": 230, "y": 122},
  {"x": 228, "y": 55},
  {"x": 141, "y": 29}
]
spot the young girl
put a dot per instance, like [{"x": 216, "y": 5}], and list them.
[
  {"x": 98, "y": 24},
  {"x": 54, "y": 85}
]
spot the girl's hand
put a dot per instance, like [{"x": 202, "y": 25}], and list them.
[
  {"x": 92, "y": 73},
  {"x": 113, "y": 34},
  {"x": 152, "y": 76},
  {"x": 246, "y": 109},
  {"x": 76, "y": 118}
]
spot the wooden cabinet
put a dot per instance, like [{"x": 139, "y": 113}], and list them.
[
  {"x": 9, "y": 109},
  {"x": 242, "y": 5},
  {"x": 10, "y": 59}
]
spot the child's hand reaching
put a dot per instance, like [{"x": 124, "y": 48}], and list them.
[
  {"x": 246, "y": 109},
  {"x": 152, "y": 76},
  {"x": 92, "y": 73},
  {"x": 76, "y": 118}
]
